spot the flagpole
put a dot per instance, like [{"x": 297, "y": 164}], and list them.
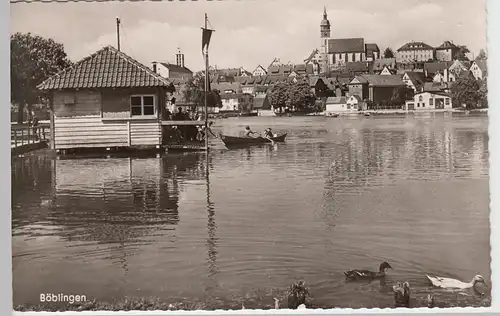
[{"x": 207, "y": 78}]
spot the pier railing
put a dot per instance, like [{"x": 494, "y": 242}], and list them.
[{"x": 23, "y": 134}]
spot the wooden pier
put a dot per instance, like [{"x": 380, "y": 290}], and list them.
[{"x": 24, "y": 138}]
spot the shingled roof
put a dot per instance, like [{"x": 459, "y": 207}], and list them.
[
  {"x": 176, "y": 68},
  {"x": 106, "y": 68},
  {"x": 415, "y": 46},
  {"x": 346, "y": 45},
  {"x": 446, "y": 45},
  {"x": 381, "y": 80}
]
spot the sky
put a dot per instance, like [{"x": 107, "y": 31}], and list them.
[{"x": 248, "y": 33}]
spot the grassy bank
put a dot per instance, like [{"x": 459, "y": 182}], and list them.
[{"x": 151, "y": 304}]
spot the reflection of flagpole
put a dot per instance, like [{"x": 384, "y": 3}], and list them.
[{"x": 211, "y": 227}]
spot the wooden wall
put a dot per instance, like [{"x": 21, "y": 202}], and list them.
[
  {"x": 86, "y": 103},
  {"x": 102, "y": 119},
  {"x": 88, "y": 132}
]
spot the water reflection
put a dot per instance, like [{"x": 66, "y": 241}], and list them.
[{"x": 211, "y": 227}]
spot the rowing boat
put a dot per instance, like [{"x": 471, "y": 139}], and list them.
[{"x": 233, "y": 140}]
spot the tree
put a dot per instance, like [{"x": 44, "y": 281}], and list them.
[
  {"x": 465, "y": 90},
  {"x": 388, "y": 53},
  {"x": 295, "y": 96},
  {"x": 32, "y": 60},
  {"x": 278, "y": 95},
  {"x": 461, "y": 53},
  {"x": 300, "y": 96},
  {"x": 483, "y": 93},
  {"x": 481, "y": 55},
  {"x": 194, "y": 93}
]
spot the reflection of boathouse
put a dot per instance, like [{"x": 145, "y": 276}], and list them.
[{"x": 121, "y": 199}]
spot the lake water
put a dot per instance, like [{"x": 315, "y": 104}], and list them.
[{"x": 341, "y": 193}]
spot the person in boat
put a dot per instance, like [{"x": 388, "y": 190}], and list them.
[
  {"x": 268, "y": 133},
  {"x": 249, "y": 132}
]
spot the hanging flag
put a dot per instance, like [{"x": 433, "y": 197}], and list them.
[{"x": 205, "y": 39}]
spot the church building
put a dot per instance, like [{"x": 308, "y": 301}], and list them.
[{"x": 335, "y": 53}]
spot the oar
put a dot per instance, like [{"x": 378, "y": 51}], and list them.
[{"x": 272, "y": 141}]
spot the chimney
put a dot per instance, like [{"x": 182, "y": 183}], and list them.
[{"x": 154, "y": 67}]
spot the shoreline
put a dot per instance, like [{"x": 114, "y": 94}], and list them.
[
  {"x": 392, "y": 112},
  {"x": 157, "y": 304}
]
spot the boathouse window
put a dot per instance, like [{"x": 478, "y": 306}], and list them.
[
  {"x": 142, "y": 105},
  {"x": 447, "y": 101},
  {"x": 431, "y": 101}
]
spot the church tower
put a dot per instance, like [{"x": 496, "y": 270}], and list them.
[{"x": 325, "y": 35}]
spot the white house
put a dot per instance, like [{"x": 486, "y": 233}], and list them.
[
  {"x": 424, "y": 101},
  {"x": 444, "y": 76},
  {"x": 479, "y": 69},
  {"x": 338, "y": 105},
  {"x": 232, "y": 102},
  {"x": 259, "y": 71},
  {"x": 355, "y": 102}
]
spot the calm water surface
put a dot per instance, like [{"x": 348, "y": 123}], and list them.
[{"x": 339, "y": 194}]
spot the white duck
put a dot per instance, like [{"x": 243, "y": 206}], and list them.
[{"x": 448, "y": 283}]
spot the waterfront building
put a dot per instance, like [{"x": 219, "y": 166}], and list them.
[
  {"x": 424, "y": 101},
  {"x": 338, "y": 105},
  {"x": 96, "y": 106},
  {"x": 376, "y": 88}
]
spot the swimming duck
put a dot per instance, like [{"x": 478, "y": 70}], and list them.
[
  {"x": 455, "y": 284},
  {"x": 402, "y": 294},
  {"x": 356, "y": 274}
]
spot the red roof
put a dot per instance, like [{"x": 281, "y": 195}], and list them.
[{"x": 106, "y": 68}]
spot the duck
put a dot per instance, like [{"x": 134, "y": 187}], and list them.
[
  {"x": 431, "y": 302},
  {"x": 297, "y": 295},
  {"x": 356, "y": 274},
  {"x": 402, "y": 294},
  {"x": 448, "y": 283},
  {"x": 276, "y": 303}
]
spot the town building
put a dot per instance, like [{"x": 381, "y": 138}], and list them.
[
  {"x": 338, "y": 105},
  {"x": 414, "y": 80},
  {"x": 446, "y": 51},
  {"x": 479, "y": 69},
  {"x": 415, "y": 52},
  {"x": 378, "y": 88},
  {"x": 173, "y": 71},
  {"x": 355, "y": 102},
  {"x": 431, "y": 68},
  {"x": 94, "y": 106},
  {"x": 236, "y": 102},
  {"x": 379, "y": 64},
  {"x": 259, "y": 71},
  {"x": 424, "y": 101}
]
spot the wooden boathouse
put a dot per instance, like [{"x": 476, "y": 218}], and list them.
[{"x": 108, "y": 100}]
